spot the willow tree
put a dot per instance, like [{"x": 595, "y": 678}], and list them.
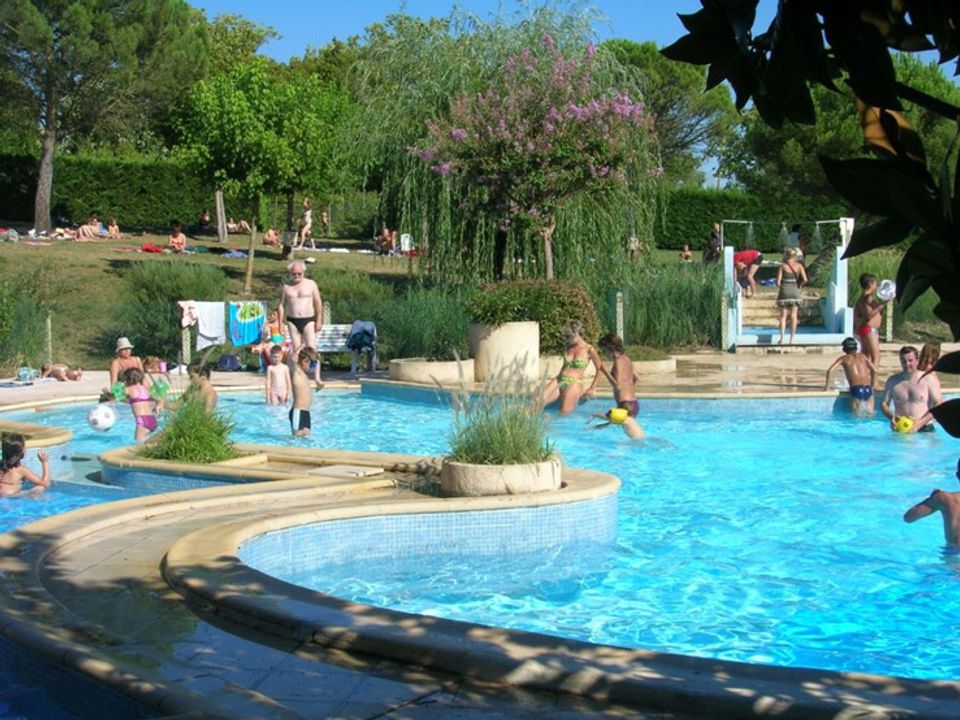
[
  {"x": 523, "y": 148},
  {"x": 411, "y": 73}
]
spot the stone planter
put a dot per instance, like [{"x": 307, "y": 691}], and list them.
[
  {"x": 467, "y": 480},
  {"x": 432, "y": 372},
  {"x": 511, "y": 351}
]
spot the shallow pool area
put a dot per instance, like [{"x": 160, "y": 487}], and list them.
[{"x": 766, "y": 531}]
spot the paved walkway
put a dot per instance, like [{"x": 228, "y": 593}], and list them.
[{"x": 702, "y": 373}]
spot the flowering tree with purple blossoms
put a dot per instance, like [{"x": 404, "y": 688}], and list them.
[{"x": 540, "y": 136}]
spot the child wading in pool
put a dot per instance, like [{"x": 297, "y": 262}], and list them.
[
  {"x": 302, "y": 394},
  {"x": 623, "y": 381},
  {"x": 140, "y": 403},
  {"x": 278, "y": 378},
  {"x": 12, "y": 474},
  {"x": 861, "y": 376}
]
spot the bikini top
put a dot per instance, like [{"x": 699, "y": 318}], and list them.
[
  {"x": 140, "y": 398},
  {"x": 575, "y": 363}
]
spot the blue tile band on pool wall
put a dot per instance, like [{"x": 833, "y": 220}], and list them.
[
  {"x": 58, "y": 459},
  {"x": 147, "y": 483},
  {"x": 472, "y": 533},
  {"x": 78, "y": 695}
]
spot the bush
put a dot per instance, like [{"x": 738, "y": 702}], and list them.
[
  {"x": 354, "y": 295},
  {"x": 150, "y": 316},
  {"x": 552, "y": 303},
  {"x": 674, "y": 305},
  {"x": 193, "y": 434},
  {"x": 499, "y": 428},
  {"x": 691, "y": 212},
  {"x": 426, "y": 323},
  {"x": 25, "y": 301}
]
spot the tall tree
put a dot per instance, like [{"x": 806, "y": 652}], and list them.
[
  {"x": 84, "y": 61},
  {"x": 247, "y": 133},
  {"x": 775, "y": 163},
  {"x": 690, "y": 125},
  {"x": 235, "y": 41},
  {"x": 522, "y": 148}
]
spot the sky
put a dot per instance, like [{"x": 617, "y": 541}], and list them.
[{"x": 303, "y": 23}]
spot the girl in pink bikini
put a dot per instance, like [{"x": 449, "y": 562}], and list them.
[{"x": 141, "y": 403}]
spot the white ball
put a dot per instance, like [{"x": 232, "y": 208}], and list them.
[
  {"x": 101, "y": 418},
  {"x": 887, "y": 290}
]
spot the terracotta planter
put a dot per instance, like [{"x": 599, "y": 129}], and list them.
[
  {"x": 432, "y": 372},
  {"x": 511, "y": 351},
  {"x": 467, "y": 480}
]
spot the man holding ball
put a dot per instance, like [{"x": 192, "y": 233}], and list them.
[{"x": 910, "y": 394}]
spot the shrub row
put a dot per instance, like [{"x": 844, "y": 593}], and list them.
[
  {"x": 551, "y": 303},
  {"x": 691, "y": 212}
]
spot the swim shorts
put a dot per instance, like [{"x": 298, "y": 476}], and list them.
[
  {"x": 631, "y": 406},
  {"x": 865, "y": 330},
  {"x": 299, "y": 419},
  {"x": 861, "y": 392}
]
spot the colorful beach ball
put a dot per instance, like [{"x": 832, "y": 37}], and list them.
[
  {"x": 617, "y": 415},
  {"x": 101, "y": 418}
]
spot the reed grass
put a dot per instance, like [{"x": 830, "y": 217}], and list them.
[
  {"x": 193, "y": 434},
  {"x": 502, "y": 426}
]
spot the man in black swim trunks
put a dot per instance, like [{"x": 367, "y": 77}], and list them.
[{"x": 302, "y": 309}]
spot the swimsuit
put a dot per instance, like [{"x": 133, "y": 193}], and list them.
[
  {"x": 861, "y": 392},
  {"x": 565, "y": 381},
  {"x": 299, "y": 419},
  {"x": 631, "y": 406},
  {"x": 300, "y": 323},
  {"x": 865, "y": 330},
  {"x": 146, "y": 421}
]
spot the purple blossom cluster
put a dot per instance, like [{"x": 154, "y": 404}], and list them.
[{"x": 542, "y": 134}]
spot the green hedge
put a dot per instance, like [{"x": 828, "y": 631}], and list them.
[
  {"x": 141, "y": 193},
  {"x": 691, "y": 212},
  {"x": 552, "y": 303}
]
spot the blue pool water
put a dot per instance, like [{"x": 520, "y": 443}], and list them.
[{"x": 754, "y": 530}]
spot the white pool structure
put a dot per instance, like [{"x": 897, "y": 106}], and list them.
[{"x": 721, "y": 579}]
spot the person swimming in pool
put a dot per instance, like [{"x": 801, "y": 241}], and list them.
[
  {"x": 567, "y": 386},
  {"x": 861, "y": 376},
  {"x": 946, "y": 503},
  {"x": 622, "y": 379},
  {"x": 13, "y": 474}
]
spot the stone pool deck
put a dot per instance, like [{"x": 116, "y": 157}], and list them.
[{"x": 103, "y": 590}]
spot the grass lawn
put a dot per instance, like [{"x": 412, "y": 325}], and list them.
[{"x": 89, "y": 278}]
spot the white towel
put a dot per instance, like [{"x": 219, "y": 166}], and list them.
[{"x": 211, "y": 325}]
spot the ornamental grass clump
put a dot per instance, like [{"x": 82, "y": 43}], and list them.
[
  {"x": 499, "y": 427},
  {"x": 194, "y": 434}
]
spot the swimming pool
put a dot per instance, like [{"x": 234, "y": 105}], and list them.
[{"x": 755, "y": 530}]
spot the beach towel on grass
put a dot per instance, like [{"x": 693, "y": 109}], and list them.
[{"x": 210, "y": 324}]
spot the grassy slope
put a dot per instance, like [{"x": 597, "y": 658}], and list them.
[{"x": 92, "y": 284}]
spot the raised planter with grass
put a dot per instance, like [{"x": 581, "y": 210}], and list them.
[{"x": 499, "y": 446}]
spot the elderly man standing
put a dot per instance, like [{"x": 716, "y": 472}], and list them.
[{"x": 302, "y": 309}]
